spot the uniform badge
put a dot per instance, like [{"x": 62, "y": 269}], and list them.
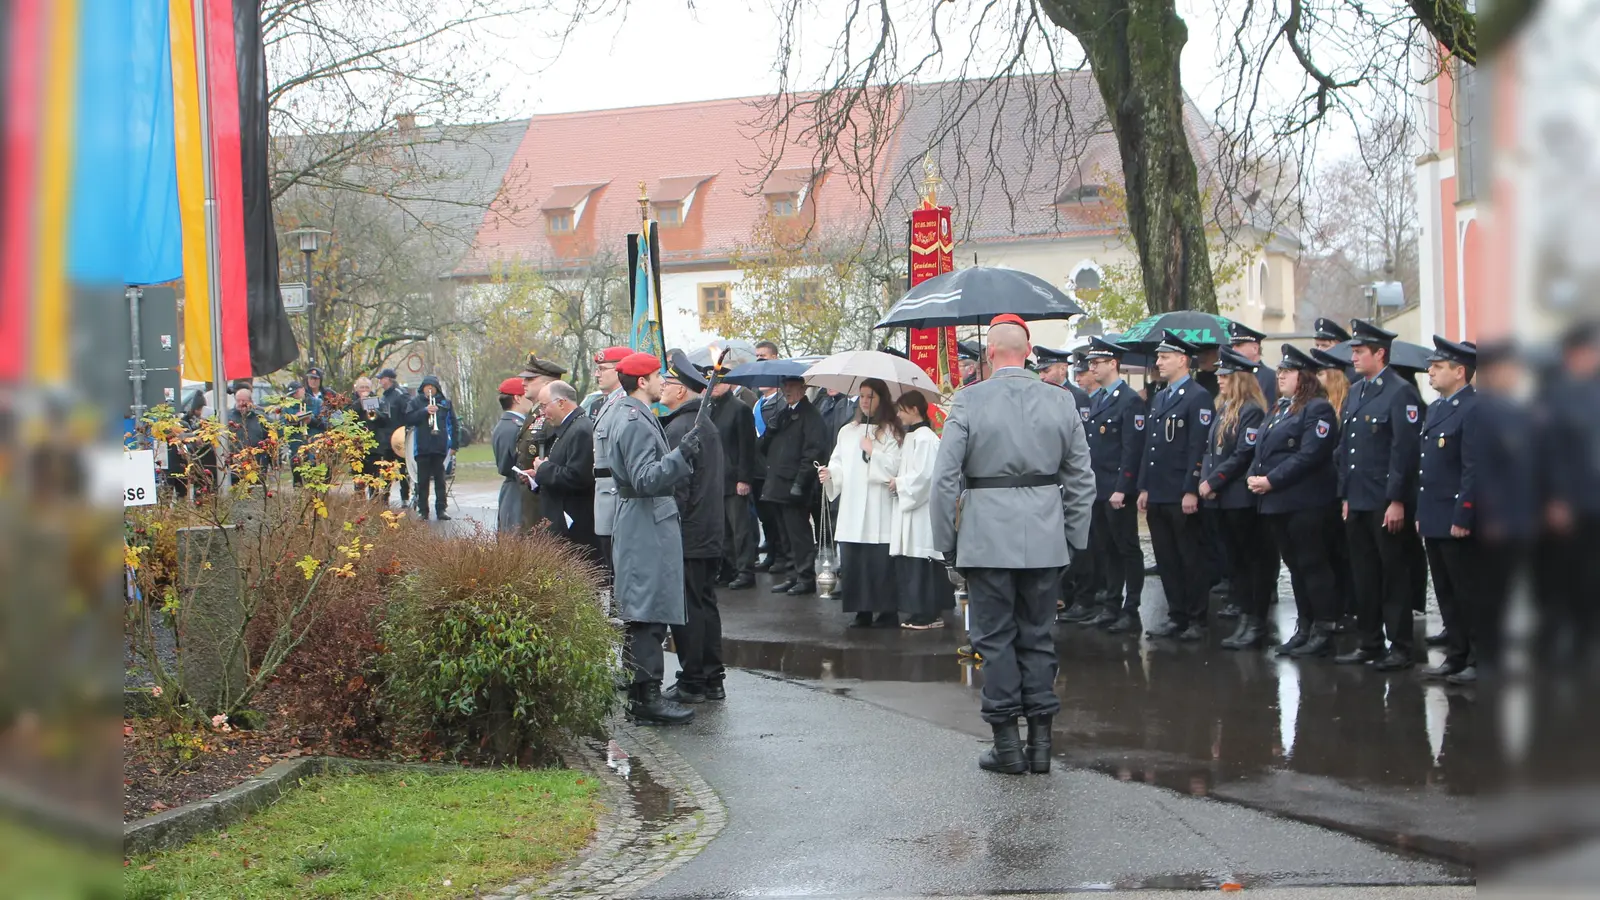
[
  {"x": 1084, "y": 413},
  {"x": 1411, "y": 414},
  {"x": 1138, "y": 423},
  {"x": 1441, "y": 441},
  {"x": 1322, "y": 428},
  {"x": 1205, "y": 417},
  {"x": 1250, "y": 435},
  {"x": 1102, "y": 429}
]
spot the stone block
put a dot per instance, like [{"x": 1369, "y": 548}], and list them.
[{"x": 211, "y": 616}]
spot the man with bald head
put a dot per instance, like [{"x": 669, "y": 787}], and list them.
[{"x": 1011, "y": 500}]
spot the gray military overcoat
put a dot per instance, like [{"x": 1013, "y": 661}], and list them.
[
  {"x": 508, "y": 518},
  {"x": 1012, "y": 424},
  {"x": 647, "y": 545},
  {"x": 605, "y": 487}
]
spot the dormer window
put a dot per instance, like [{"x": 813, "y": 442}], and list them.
[
  {"x": 781, "y": 206},
  {"x": 786, "y": 191},
  {"x": 563, "y": 207},
  {"x": 1078, "y": 192},
  {"x": 670, "y": 215},
  {"x": 561, "y": 222}
]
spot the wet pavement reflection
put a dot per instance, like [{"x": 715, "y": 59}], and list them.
[{"x": 1384, "y": 756}]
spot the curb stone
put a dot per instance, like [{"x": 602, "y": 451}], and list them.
[{"x": 628, "y": 852}]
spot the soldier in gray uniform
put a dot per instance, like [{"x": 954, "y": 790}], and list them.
[
  {"x": 1011, "y": 500},
  {"x": 647, "y": 550},
  {"x": 605, "y": 488}
]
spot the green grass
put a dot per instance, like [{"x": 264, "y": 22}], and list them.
[
  {"x": 41, "y": 866},
  {"x": 481, "y": 453},
  {"x": 391, "y": 836}
]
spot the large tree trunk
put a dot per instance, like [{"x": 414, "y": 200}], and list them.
[{"x": 1133, "y": 48}]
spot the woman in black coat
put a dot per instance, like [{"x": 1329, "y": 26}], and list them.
[
  {"x": 1294, "y": 478},
  {"x": 1230, "y": 448}
]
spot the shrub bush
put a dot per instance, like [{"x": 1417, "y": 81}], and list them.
[{"x": 498, "y": 647}]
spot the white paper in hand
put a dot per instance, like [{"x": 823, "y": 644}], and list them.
[{"x": 527, "y": 476}]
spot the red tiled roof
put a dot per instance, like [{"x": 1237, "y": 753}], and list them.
[
  {"x": 568, "y": 196},
  {"x": 617, "y": 149}
]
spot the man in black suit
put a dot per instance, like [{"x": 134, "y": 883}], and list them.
[
  {"x": 1116, "y": 449},
  {"x": 1377, "y": 465},
  {"x": 736, "y": 424},
  {"x": 566, "y": 477},
  {"x": 793, "y": 444}
]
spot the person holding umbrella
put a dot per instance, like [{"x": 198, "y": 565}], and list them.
[
  {"x": 1293, "y": 475},
  {"x": 1169, "y": 486},
  {"x": 865, "y": 459}
]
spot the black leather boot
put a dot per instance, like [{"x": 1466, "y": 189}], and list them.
[
  {"x": 1038, "y": 749},
  {"x": 648, "y": 707},
  {"x": 1320, "y": 643},
  {"x": 1006, "y": 754},
  {"x": 1302, "y": 633},
  {"x": 1248, "y": 625}
]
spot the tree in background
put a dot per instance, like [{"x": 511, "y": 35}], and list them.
[{"x": 810, "y": 294}]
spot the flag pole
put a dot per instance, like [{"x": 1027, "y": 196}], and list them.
[{"x": 213, "y": 286}]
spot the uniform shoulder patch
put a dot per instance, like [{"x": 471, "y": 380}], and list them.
[
  {"x": 1205, "y": 417},
  {"x": 1138, "y": 423},
  {"x": 1250, "y": 435},
  {"x": 1085, "y": 413},
  {"x": 1411, "y": 414},
  {"x": 1322, "y": 428}
]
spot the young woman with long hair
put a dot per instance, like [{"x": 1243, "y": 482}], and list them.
[
  {"x": 925, "y": 589},
  {"x": 866, "y": 457},
  {"x": 1331, "y": 375},
  {"x": 1224, "y": 495},
  {"x": 1294, "y": 478}
]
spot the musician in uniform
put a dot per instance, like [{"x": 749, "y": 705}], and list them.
[
  {"x": 1115, "y": 429},
  {"x": 1377, "y": 469},
  {"x": 647, "y": 553},
  {"x": 1013, "y": 457},
  {"x": 1169, "y": 485},
  {"x": 1447, "y": 499}
]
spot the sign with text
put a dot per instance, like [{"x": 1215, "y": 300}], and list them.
[
  {"x": 933, "y": 253},
  {"x": 138, "y": 478}
]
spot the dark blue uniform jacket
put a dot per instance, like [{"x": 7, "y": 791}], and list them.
[
  {"x": 1115, "y": 429},
  {"x": 1378, "y": 452},
  {"x": 1295, "y": 453},
  {"x": 1228, "y": 457},
  {"x": 1175, "y": 440},
  {"x": 1452, "y": 451}
]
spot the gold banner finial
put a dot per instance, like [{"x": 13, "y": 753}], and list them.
[
  {"x": 930, "y": 181},
  {"x": 644, "y": 203}
]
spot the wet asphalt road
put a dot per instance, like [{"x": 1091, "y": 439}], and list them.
[{"x": 847, "y": 762}]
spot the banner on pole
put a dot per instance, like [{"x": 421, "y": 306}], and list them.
[{"x": 933, "y": 253}]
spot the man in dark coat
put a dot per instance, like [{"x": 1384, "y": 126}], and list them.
[
  {"x": 793, "y": 443},
  {"x": 1377, "y": 469},
  {"x": 514, "y": 408},
  {"x": 1115, "y": 431},
  {"x": 700, "y": 511},
  {"x": 1169, "y": 484},
  {"x": 1329, "y": 334},
  {"x": 1079, "y": 585},
  {"x": 392, "y": 404},
  {"x": 736, "y": 425},
  {"x": 1447, "y": 503},
  {"x": 1246, "y": 342},
  {"x": 565, "y": 477},
  {"x": 434, "y": 418}
]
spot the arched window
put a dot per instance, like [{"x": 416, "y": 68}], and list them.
[
  {"x": 1263, "y": 285},
  {"x": 1085, "y": 283}
]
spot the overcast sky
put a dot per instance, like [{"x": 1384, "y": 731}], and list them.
[{"x": 662, "y": 52}]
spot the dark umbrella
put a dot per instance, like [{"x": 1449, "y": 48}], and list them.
[
  {"x": 1201, "y": 329},
  {"x": 1402, "y": 355},
  {"x": 770, "y": 372},
  {"x": 974, "y": 296},
  {"x": 1133, "y": 358}
]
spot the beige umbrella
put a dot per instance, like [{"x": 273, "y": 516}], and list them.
[{"x": 844, "y": 372}]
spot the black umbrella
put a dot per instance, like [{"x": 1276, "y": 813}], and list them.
[
  {"x": 770, "y": 372},
  {"x": 976, "y": 295},
  {"x": 1402, "y": 355},
  {"x": 1201, "y": 329}
]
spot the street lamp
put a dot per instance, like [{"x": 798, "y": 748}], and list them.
[{"x": 310, "y": 239}]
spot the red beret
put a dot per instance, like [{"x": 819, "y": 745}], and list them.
[
  {"x": 512, "y": 385},
  {"x": 639, "y": 365},
  {"x": 613, "y": 354},
  {"x": 1011, "y": 319}
]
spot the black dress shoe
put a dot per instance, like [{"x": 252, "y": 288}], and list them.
[
  {"x": 1229, "y": 611},
  {"x": 801, "y": 588},
  {"x": 742, "y": 582},
  {"x": 441, "y": 517},
  {"x": 887, "y": 620},
  {"x": 716, "y": 691},
  {"x": 1192, "y": 634},
  {"x": 1169, "y": 630},
  {"x": 862, "y": 620},
  {"x": 1006, "y": 754},
  {"x": 1106, "y": 617},
  {"x": 1125, "y": 624},
  {"x": 1077, "y": 612},
  {"x": 1442, "y": 639},
  {"x": 1319, "y": 643},
  {"x": 680, "y": 694},
  {"x": 1246, "y": 636},
  {"x": 1394, "y": 661},
  {"x": 1302, "y": 633},
  {"x": 1038, "y": 746},
  {"x": 1469, "y": 675},
  {"x": 1358, "y": 657},
  {"x": 782, "y": 587},
  {"x": 646, "y": 706},
  {"x": 762, "y": 565},
  {"x": 1443, "y": 670}
]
